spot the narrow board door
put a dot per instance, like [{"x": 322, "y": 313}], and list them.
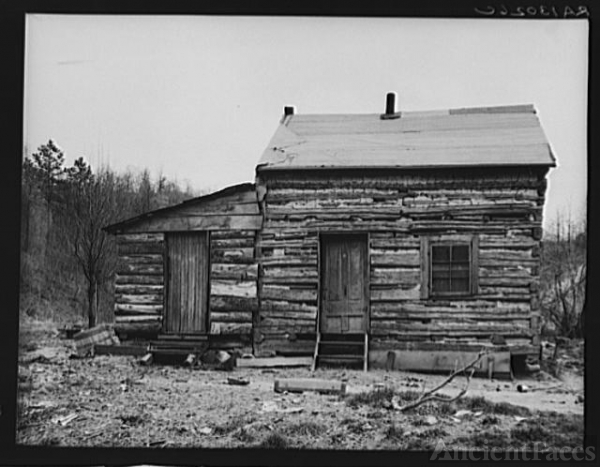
[
  {"x": 187, "y": 283},
  {"x": 344, "y": 303}
]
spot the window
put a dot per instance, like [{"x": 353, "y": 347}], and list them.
[{"x": 449, "y": 266}]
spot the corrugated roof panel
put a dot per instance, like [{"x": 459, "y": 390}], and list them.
[{"x": 506, "y": 135}]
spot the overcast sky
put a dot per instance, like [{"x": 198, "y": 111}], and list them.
[{"x": 199, "y": 97}]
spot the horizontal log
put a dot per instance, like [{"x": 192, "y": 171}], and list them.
[
  {"x": 335, "y": 214},
  {"x": 291, "y": 328},
  {"x": 284, "y": 323},
  {"x": 142, "y": 289},
  {"x": 514, "y": 263},
  {"x": 292, "y": 271},
  {"x": 289, "y": 261},
  {"x": 139, "y": 269},
  {"x": 137, "y": 319},
  {"x": 407, "y": 242},
  {"x": 233, "y": 288},
  {"x": 505, "y": 281},
  {"x": 504, "y": 290},
  {"x": 275, "y": 292},
  {"x": 355, "y": 225},
  {"x": 480, "y": 306},
  {"x": 245, "y": 242},
  {"x": 504, "y": 254},
  {"x": 446, "y": 315},
  {"x": 141, "y": 248},
  {"x": 448, "y": 326},
  {"x": 240, "y": 272},
  {"x": 232, "y": 255},
  {"x": 503, "y": 273},
  {"x": 283, "y": 280},
  {"x": 413, "y": 335},
  {"x": 147, "y": 299},
  {"x": 197, "y": 223},
  {"x": 286, "y": 233},
  {"x": 395, "y": 258},
  {"x": 286, "y": 307},
  {"x": 229, "y": 303},
  {"x": 230, "y": 328},
  {"x": 139, "y": 279},
  {"x": 306, "y": 242},
  {"x": 137, "y": 308},
  {"x": 395, "y": 293},
  {"x": 281, "y": 314},
  {"x": 140, "y": 238},
  {"x": 231, "y": 316},
  {"x": 405, "y": 276},
  {"x": 142, "y": 258},
  {"x": 232, "y": 234}
]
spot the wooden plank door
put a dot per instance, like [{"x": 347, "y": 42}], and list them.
[
  {"x": 344, "y": 298},
  {"x": 187, "y": 283}
]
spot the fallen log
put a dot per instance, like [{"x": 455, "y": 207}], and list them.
[
  {"x": 274, "y": 362},
  {"x": 321, "y": 386}
]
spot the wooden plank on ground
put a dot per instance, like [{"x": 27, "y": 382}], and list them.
[
  {"x": 322, "y": 386},
  {"x": 274, "y": 362},
  {"x": 103, "y": 349}
]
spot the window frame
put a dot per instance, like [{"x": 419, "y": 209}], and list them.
[{"x": 427, "y": 242}]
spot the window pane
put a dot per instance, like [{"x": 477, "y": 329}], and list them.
[
  {"x": 460, "y": 253},
  {"x": 460, "y": 285},
  {"x": 440, "y": 254},
  {"x": 440, "y": 285}
]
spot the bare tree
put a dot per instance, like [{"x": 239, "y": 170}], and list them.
[
  {"x": 92, "y": 203},
  {"x": 564, "y": 266}
]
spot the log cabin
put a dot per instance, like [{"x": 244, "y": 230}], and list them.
[{"x": 401, "y": 239}]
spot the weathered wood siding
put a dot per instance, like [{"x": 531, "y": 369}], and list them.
[
  {"x": 229, "y": 220},
  {"x": 503, "y": 207},
  {"x": 233, "y": 275},
  {"x": 139, "y": 283}
]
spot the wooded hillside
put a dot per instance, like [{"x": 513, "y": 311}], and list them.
[{"x": 67, "y": 260}]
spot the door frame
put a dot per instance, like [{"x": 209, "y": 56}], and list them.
[
  {"x": 167, "y": 274},
  {"x": 341, "y": 233}
]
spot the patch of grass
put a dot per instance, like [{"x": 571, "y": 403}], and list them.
[
  {"x": 504, "y": 408},
  {"x": 244, "y": 435},
  {"x": 481, "y": 404},
  {"x": 229, "y": 426},
  {"x": 418, "y": 444},
  {"x": 305, "y": 428},
  {"x": 133, "y": 420},
  {"x": 274, "y": 441},
  {"x": 484, "y": 440},
  {"x": 378, "y": 398},
  {"x": 394, "y": 432},
  {"x": 487, "y": 420},
  {"x": 530, "y": 433},
  {"x": 559, "y": 430},
  {"x": 433, "y": 433}
]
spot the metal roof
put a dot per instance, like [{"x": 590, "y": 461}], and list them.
[{"x": 485, "y": 136}]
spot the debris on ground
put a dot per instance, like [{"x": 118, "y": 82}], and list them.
[
  {"x": 237, "y": 381},
  {"x": 309, "y": 384},
  {"x": 102, "y": 334}
]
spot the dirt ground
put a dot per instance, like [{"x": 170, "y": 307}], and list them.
[{"x": 113, "y": 401}]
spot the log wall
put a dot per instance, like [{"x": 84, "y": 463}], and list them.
[
  {"x": 503, "y": 207},
  {"x": 139, "y": 283},
  {"x": 233, "y": 274}
]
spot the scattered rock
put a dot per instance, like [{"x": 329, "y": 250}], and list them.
[
  {"x": 430, "y": 420},
  {"x": 237, "y": 381}
]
